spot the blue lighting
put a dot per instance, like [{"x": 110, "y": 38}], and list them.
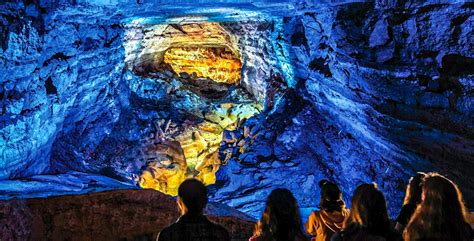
[{"x": 350, "y": 91}]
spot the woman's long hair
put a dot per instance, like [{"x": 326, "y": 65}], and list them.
[
  {"x": 413, "y": 193},
  {"x": 441, "y": 214},
  {"x": 281, "y": 219},
  {"x": 331, "y": 197},
  {"x": 368, "y": 213}
]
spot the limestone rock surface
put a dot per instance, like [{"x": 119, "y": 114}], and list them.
[{"x": 111, "y": 215}]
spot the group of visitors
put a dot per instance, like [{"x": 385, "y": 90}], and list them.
[{"x": 433, "y": 210}]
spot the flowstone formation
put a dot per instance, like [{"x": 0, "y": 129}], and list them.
[{"x": 247, "y": 96}]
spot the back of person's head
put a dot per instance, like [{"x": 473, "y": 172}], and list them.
[
  {"x": 368, "y": 212},
  {"x": 441, "y": 213},
  {"x": 281, "y": 219},
  {"x": 193, "y": 195},
  {"x": 413, "y": 193},
  {"x": 331, "y": 196}
]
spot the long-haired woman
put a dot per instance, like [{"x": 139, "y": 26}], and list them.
[
  {"x": 441, "y": 214},
  {"x": 323, "y": 224},
  {"x": 368, "y": 219},
  {"x": 280, "y": 220}
]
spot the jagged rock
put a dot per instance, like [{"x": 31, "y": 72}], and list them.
[
  {"x": 351, "y": 91},
  {"x": 369, "y": 120},
  {"x": 380, "y": 34},
  {"x": 111, "y": 215}
]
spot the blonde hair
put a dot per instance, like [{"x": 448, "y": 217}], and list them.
[
  {"x": 368, "y": 211},
  {"x": 441, "y": 213}
]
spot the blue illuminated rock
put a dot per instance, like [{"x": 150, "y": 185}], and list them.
[{"x": 351, "y": 91}]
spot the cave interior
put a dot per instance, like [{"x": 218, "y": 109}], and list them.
[{"x": 246, "y": 96}]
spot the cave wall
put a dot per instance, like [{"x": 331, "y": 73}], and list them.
[
  {"x": 70, "y": 110},
  {"x": 59, "y": 74},
  {"x": 354, "y": 92},
  {"x": 387, "y": 91}
]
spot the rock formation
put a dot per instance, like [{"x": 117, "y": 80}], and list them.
[
  {"x": 352, "y": 91},
  {"x": 112, "y": 215}
]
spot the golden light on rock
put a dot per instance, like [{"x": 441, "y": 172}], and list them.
[
  {"x": 167, "y": 168},
  {"x": 208, "y": 53},
  {"x": 205, "y": 48},
  {"x": 218, "y": 64},
  {"x": 194, "y": 152}
]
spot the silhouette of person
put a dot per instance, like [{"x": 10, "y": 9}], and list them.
[
  {"x": 323, "y": 224},
  {"x": 441, "y": 214},
  {"x": 280, "y": 220},
  {"x": 193, "y": 225}
]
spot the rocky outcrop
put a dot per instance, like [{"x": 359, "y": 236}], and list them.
[
  {"x": 347, "y": 90},
  {"x": 386, "y": 93},
  {"x": 112, "y": 215},
  {"x": 57, "y": 73}
]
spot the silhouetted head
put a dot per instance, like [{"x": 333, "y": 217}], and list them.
[
  {"x": 413, "y": 193},
  {"x": 368, "y": 211},
  {"x": 193, "y": 194},
  {"x": 281, "y": 219},
  {"x": 441, "y": 212},
  {"x": 331, "y": 196}
]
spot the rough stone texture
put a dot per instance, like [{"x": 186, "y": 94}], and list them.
[
  {"x": 57, "y": 73},
  {"x": 387, "y": 92},
  {"x": 112, "y": 215}
]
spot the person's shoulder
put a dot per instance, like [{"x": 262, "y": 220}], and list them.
[
  {"x": 174, "y": 227},
  {"x": 164, "y": 234},
  {"x": 219, "y": 230},
  {"x": 314, "y": 218},
  {"x": 171, "y": 227}
]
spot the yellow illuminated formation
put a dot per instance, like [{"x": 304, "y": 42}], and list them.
[
  {"x": 200, "y": 143},
  {"x": 167, "y": 168},
  {"x": 217, "y": 64},
  {"x": 202, "y": 50},
  {"x": 194, "y": 152}
]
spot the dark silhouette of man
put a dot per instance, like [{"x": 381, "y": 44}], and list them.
[{"x": 193, "y": 225}]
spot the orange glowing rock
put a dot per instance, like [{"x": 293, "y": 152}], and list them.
[
  {"x": 208, "y": 166},
  {"x": 194, "y": 145},
  {"x": 194, "y": 152},
  {"x": 168, "y": 168},
  {"x": 218, "y": 64}
]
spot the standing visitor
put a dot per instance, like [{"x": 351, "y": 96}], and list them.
[
  {"x": 280, "y": 220},
  {"x": 193, "y": 225},
  {"x": 412, "y": 199},
  {"x": 368, "y": 219},
  {"x": 323, "y": 224},
  {"x": 441, "y": 214}
]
